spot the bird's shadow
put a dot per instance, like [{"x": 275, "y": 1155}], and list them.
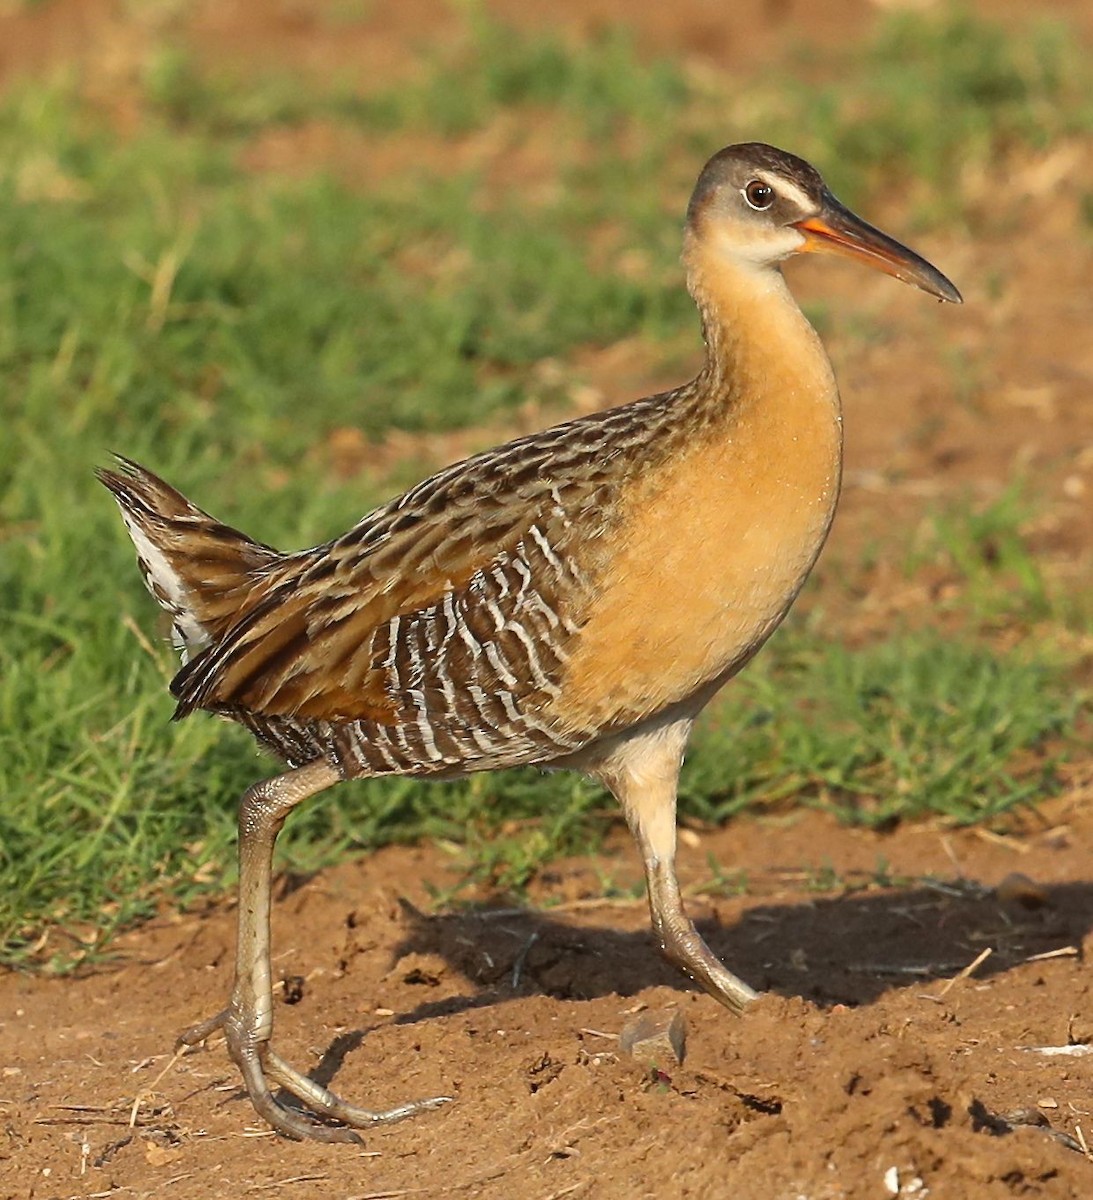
[{"x": 847, "y": 949}]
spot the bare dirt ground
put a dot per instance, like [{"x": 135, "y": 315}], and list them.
[
  {"x": 866, "y": 1071},
  {"x": 862, "y": 1061}
]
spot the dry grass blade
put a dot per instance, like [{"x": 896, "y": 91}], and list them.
[
  {"x": 389, "y": 1194},
  {"x": 106, "y": 1114},
  {"x": 279, "y": 1183},
  {"x": 1079, "y": 1051},
  {"x": 569, "y": 1191},
  {"x": 1061, "y": 952},
  {"x": 521, "y": 958},
  {"x": 148, "y": 1091},
  {"x": 968, "y": 971}
]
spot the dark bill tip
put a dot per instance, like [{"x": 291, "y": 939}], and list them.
[{"x": 836, "y": 230}]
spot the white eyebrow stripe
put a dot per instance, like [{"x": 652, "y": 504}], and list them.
[{"x": 783, "y": 187}]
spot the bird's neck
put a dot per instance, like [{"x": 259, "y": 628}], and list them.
[
  {"x": 761, "y": 352},
  {"x": 765, "y": 406}
]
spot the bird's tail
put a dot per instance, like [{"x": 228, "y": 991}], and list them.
[{"x": 200, "y": 571}]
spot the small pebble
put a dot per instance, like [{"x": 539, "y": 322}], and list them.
[
  {"x": 293, "y": 989},
  {"x": 1019, "y": 889},
  {"x": 655, "y": 1037}
]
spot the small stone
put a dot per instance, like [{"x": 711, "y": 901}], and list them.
[
  {"x": 1047, "y": 1102},
  {"x": 1079, "y": 1029},
  {"x": 655, "y": 1037},
  {"x": 293, "y": 989},
  {"x": 1019, "y": 889},
  {"x": 156, "y": 1155}
]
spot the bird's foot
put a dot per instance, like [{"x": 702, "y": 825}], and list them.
[
  {"x": 261, "y": 1066},
  {"x": 322, "y": 1101}
]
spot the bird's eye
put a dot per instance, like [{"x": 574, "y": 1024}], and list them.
[{"x": 759, "y": 194}]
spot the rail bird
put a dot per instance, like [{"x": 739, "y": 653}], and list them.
[{"x": 570, "y": 599}]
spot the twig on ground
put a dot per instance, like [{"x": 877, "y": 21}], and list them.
[
  {"x": 521, "y": 958},
  {"x": 276, "y": 1183},
  {"x": 98, "y": 1114},
  {"x": 1062, "y": 952},
  {"x": 386, "y": 1195},
  {"x": 1078, "y": 1051},
  {"x": 970, "y": 969},
  {"x": 921, "y": 969},
  {"x": 145, "y": 1092},
  {"x": 998, "y": 839},
  {"x": 950, "y": 853},
  {"x": 568, "y": 1191}
]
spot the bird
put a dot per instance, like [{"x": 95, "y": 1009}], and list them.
[{"x": 571, "y": 599}]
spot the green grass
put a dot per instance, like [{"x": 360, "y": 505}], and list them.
[
  {"x": 933, "y": 100},
  {"x": 918, "y": 725},
  {"x": 993, "y": 577},
  {"x": 985, "y": 548},
  {"x": 493, "y": 68},
  {"x": 601, "y": 83},
  {"x": 158, "y": 298}
]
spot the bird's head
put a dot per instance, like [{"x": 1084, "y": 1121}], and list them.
[{"x": 757, "y": 205}]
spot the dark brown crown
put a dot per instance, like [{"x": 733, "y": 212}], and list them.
[{"x": 736, "y": 165}]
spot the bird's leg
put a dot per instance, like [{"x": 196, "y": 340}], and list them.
[
  {"x": 248, "y": 1020},
  {"x": 644, "y": 777},
  {"x": 681, "y": 942}
]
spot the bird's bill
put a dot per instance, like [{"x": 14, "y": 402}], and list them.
[{"x": 836, "y": 230}]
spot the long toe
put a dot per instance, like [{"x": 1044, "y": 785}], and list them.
[
  {"x": 261, "y": 1066},
  {"x": 323, "y": 1101}
]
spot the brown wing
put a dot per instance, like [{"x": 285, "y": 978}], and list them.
[{"x": 460, "y": 594}]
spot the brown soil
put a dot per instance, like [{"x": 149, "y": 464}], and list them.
[
  {"x": 865, "y": 1057},
  {"x": 866, "y": 1069}
]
